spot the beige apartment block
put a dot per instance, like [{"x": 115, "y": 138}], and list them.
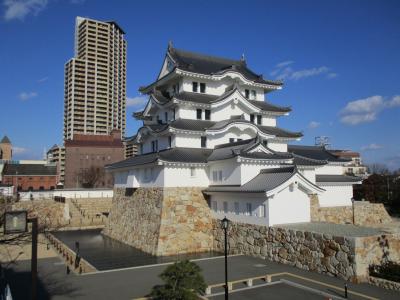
[{"x": 95, "y": 80}]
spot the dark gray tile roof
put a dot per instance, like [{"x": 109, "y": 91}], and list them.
[
  {"x": 29, "y": 169},
  {"x": 241, "y": 148},
  {"x": 209, "y": 65},
  {"x": 196, "y": 97},
  {"x": 265, "y": 105},
  {"x": 315, "y": 152},
  {"x": 5, "y": 140},
  {"x": 304, "y": 161},
  {"x": 265, "y": 181},
  {"x": 188, "y": 155},
  {"x": 336, "y": 178},
  {"x": 193, "y": 125}
]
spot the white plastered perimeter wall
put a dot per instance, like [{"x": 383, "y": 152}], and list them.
[{"x": 336, "y": 194}]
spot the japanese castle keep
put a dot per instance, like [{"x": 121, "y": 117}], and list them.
[{"x": 210, "y": 147}]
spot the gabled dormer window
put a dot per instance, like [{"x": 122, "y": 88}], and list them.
[
  {"x": 252, "y": 94},
  {"x": 166, "y": 116},
  {"x": 195, "y": 86},
  {"x": 202, "y": 87},
  {"x": 259, "y": 119},
  {"x": 252, "y": 118},
  {"x": 246, "y": 94}
]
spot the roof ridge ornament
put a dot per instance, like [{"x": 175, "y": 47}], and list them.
[
  {"x": 243, "y": 59},
  {"x": 170, "y": 45}
]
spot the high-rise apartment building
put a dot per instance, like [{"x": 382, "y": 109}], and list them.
[{"x": 95, "y": 80}]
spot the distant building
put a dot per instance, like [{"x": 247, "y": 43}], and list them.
[
  {"x": 91, "y": 151},
  {"x": 30, "y": 177},
  {"x": 56, "y": 155},
  {"x": 130, "y": 146},
  {"x": 355, "y": 166},
  {"x": 95, "y": 80},
  {"x": 5, "y": 149}
]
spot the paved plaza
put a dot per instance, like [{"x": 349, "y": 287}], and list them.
[{"x": 137, "y": 282}]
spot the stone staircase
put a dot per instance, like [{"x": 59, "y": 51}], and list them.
[{"x": 88, "y": 212}]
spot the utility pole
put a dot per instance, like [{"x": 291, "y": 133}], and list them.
[{"x": 34, "y": 222}]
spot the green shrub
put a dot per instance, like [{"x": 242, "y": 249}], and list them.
[
  {"x": 183, "y": 281},
  {"x": 388, "y": 270}
]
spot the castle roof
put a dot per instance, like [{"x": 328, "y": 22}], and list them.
[
  {"x": 5, "y": 140},
  {"x": 210, "y": 65},
  {"x": 315, "y": 153},
  {"x": 336, "y": 178}
]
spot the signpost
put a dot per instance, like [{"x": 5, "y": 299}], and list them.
[{"x": 17, "y": 222}]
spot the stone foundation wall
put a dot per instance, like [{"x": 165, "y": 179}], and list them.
[
  {"x": 135, "y": 220},
  {"x": 344, "y": 257},
  {"x": 322, "y": 253},
  {"x": 365, "y": 213},
  {"x": 50, "y": 214},
  {"x": 186, "y": 225},
  {"x": 162, "y": 221}
]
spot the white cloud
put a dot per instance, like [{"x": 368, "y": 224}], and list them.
[
  {"x": 284, "y": 64},
  {"x": 332, "y": 75},
  {"x": 284, "y": 70},
  {"x": 19, "y": 9},
  {"x": 42, "y": 79},
  {"x": 366, "y": 110},
  {"x": 27, "y": 95},
  {"x": 313, "y": 124},
  {"x": 19, "y": 150},
  {"x": 372, "y": 146},
  {"x": 136, "y": 101}
]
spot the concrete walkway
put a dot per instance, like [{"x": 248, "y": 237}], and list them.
[{"x": 137, "y": 282}]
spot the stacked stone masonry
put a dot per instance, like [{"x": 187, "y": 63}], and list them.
[
  {"x": 161, "y": 221},
  {"x": 344, "y": 257},
  {"x": 365, "y": 213},
  {"x": 50, "y": 214}
]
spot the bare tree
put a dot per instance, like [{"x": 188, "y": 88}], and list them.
[
  {"x": 378, "y": 168},
  {"x": 91, "y": 176}
]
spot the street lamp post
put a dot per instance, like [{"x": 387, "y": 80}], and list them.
[{"x": 225, "y": 223}]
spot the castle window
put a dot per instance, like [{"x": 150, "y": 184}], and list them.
[
  {"x": 170, "y": 141},
  {"x": 214, "y": 205},
  {"x": 207, "y": 114},
  {"x": 246, "y": 93},
  {"x": 236, "y": 208},
  {"x": 231, "y": 140},
  {"x": 225, "y": 207},
  {"x": 166, "y": 117},
  {"x": 252, "y": 118},
  {"x": 192, "y": 172},
  {"x": 194, "y": 86},
  {"x": 253, "y": 95},
  {"x": 202, "y": 87},
  {"x": 203, "y": 142},
  {"x": 198, "y": 113},
  {"x": 262, "y": 211},
  {"x": 248, "y": 209},
  {"x": 154, "y": 146},
  {"x": 259, "y": 119}
]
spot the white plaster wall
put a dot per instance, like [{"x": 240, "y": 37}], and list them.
[
  {"x": 256, "y": 201},
  {"x": 230, "y": 172},
  {"x": 184, "y": 112},
  {"x": 240, "y": 132},
  {"x": 289, "y": 206},
  {"x": 277, "y": 146},
  {"x": 188, "y": 140},
  {"x": 309, "y": 174},
  {"x": 268, "y": 120},
  {"x": 84, "y": 193},
  {"x": 336, "y": 195},
  {"x": 180, "y": 177},
  {"x": 249, "y": 171},
  {"x": 330, "y": 169}
]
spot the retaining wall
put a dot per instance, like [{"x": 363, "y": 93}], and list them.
[{"x": 161, "y": 221}]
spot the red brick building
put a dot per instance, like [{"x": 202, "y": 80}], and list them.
[
  {"x": 30, "y": 177},
  {"x": 86, "y": 156}
]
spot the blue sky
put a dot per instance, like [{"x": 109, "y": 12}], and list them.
[{"x": 340, "y": 62}]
